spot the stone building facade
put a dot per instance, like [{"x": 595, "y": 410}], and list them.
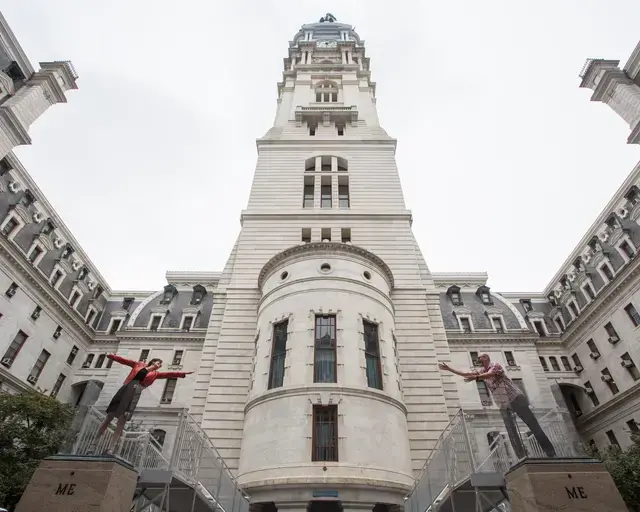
[{"x": 316, "y": 346}]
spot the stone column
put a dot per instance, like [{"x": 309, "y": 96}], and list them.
[
  {"x": 63, "y": 483},
  {"x": 570, "y": 485}
]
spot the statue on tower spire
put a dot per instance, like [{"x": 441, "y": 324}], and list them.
[{"x": 328, "y": 17}]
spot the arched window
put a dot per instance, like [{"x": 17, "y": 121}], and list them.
[
  {"x": 343, "y": 165},
  {"x": 326, "y": 92},
  {"x": 159, "y": 435},
  {"x": 310, "y": 164}
]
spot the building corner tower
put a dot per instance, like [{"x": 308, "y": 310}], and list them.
[{"x": 319, "y": 373}]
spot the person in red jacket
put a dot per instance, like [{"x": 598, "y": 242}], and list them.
[{"x": 124, "y": 402}]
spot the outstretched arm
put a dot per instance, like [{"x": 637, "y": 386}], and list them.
[
  {"x": 446, "y": 367},
  {"x": 122, "y": 360},
  {"x": 172, "y": 375}
]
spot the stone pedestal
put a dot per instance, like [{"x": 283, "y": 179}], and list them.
[
  {"x": 68, "y": 483},
  {"x": 570, "y": 485}
]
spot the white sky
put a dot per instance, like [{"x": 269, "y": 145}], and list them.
[{"x": 504, "y": 160}]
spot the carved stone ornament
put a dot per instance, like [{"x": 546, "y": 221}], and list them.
[
  {"x": 91, "y": 284},
  {"x": 37, "y": 216},
  {"x": 57, "y": 243},
  {"x": 14, "y": 187},
  {"x": 623, "y": 212}
]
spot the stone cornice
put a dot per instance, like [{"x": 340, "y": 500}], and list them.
[
  {"x": 41, "y": 286},
  {"x": 406, "y": 215},
  {"x": 162, "y": 336},
  {"x": 606, "y": 408},
  {"x": 319, "y": 389},
  {"x": 317, "y": 248},
  {"x": 326, "y": 142},
  {"x": 473, "y": 338}
]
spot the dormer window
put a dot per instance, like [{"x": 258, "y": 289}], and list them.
[
  {"x": 526, "y": 305},
  {"x": 67, "y": 252},
  {"x": 564, "y": 282},
  {"x": 27, "y": 199},
  {"x": 169, "y": 292},
  {"x": 633, "y": 196},
  {"x": 611, "y": 222},
  {"x": 594, "y": 244},
  {"x": 454, "y": 294},
  {"x": 5, "y": 166},
  {"x": 47, "y": 228},
  {"x": 485, "y": 295},
  {"x": 83, "y": 273},
  {"x": 199, "y": 292},
  {"x": 126, "y": 303},
  {"x": 552, "y": 300},
  {"x": 97, "y": 292}
]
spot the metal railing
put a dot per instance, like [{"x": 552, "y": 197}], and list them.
[
  {"x": 194, "y": 459},
  {"x": 462, "y": 449}
]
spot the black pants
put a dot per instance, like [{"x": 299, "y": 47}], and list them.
[{"x": 520, "y": 406}]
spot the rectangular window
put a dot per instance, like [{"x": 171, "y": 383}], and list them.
[
  {"x": 627, "y": 249},
  {"x": 539, "y": 327},
  {"x": 109, "y": 363},
  {"x": 465, "y": 324},
  {"x": 588, "y": 290},
  {"x": 554, "y": 364},
  {"x": 607, "y": 378},
  {"x": 187, "y": 324},
  {"x": 497, "y": 323},
  {"x": 520, "y": 384},
  {"x": 155, "y": 322},
  {"x": 455, "y": 299},
  {"x": 36, "y": 313},
  {"x": 631, "y": 367},
  {"x": 325, "y": 433},
  {"x": 115, "y": 326},
  {"x": 575, "y": 405},
  {"x": 305, "y": 236},
  {"x": 606, "y": 270},
  {"x": 372, "y": 355},
  {"x": 612, "y": 438},
  {"x": 91, "y": 317},
  {"x": 11, "y": 291},
  {"x": 35, "y": 254},
  {"x": 278, "y": 354},
  {"x": 325, "y": 192},
  {"x": 14, "y": 349},
  {"x": 543, "y": 362},
  {"x": 10, "y": 226},
  {"x": 592, "y": 394},
  {"x": 633, "y": 314},
  {"x": 144, "y": 355},
  {"x": 511, "y": 361},
  {"x": 576, "y": 360},
  {"x": 345, "y": 235},
  {"x": 88, "y": 361},
  {"x": 100, "y": 361},
  {"x": 57, "y": 333},
  {"x": 483, "y": 391},
  {"x": 177, "y": 358},
  {"x": 611, "y": 331},
  {"x": 72, "y": 355},
  {"x": 595, "y": 353},
  {"x": 34, "y": 375},
  {"x": 566, "y": 363},
  {"x": 126, "y": 303},
  {"x": 75, "y": 296},
  {"x": 324, "y": 363},
  {"x": 58, "y": 385},
  {"x": 633, "y": 426},
  {"x": 574, "y": 309},
  {"x": 169, "y": 391},
  {"x": 309, "y": 189},
  {"x": 526, "y": 305},
  {"x": 474, "y": 358},
  {"x": 312, "y": 130},
  {"x": 55, "y": 278},
  {"x": 343, "y": 192},
  {"x": 340, "y": 129},
  {"x": 560, "y": 323},
  {"x": 325, "y": 234}
]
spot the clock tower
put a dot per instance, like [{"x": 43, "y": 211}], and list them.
[{"x": 319, "y": 367}]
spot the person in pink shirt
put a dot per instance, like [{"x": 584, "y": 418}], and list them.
[{"x": 510, "y": 399}]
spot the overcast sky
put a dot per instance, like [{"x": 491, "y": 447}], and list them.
[{"x": 504, "y": 160}]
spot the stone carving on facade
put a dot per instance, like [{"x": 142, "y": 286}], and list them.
[{"x": 14, "y": 187}]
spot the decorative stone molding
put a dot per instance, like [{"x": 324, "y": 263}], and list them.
[
  {"x": 14, "y": 187},
  {"x": 329, "y": 249}
]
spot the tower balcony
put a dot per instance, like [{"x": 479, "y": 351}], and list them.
[{"x": 326, "y": 114}]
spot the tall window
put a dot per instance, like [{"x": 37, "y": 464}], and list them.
[
  {"x": 372, "y": 355},
  {"x": 278, "y": 354},
  {"x": 543, "y": 362},
  {"x": 566, "y": 363},
  {"x": 325, "y": 433},
  {"x": 483, "y": 391},
  {"x": 169, "y": 391},
  {"x": 100, "y": 360},
  {"x": 177, "y": 358},
  {"x": 554, "y": 364},
  {"x": 343, "y": 192},
  {"x": 465, "y": 324},
  {"x": 511, "y": 361},
  {"x": 612, "y": 438},
  {"x": 595, "y": 353},
  {"x": 88, "y": 361},
  {"x": 144, "y": 355},
  {"x": 606, "y": 270},
  {"x": 308, "y": 192},
  {"x": 626, "y": 249},
  {"x": 72, "y": 355},
  {"x": 608, "y": 380},
  {"x": 539, "y": 327},
  {"x": 611, "y": 331},
  {"x": 115, "y": 325},
  {"x": 633, "y": 314},
  {"x": 324, "y": 361},
  {"x": 325, "y": 192},
  {"x": 58, "y": 385},
  {"x": 497, "y": 323},
  {"x": 155, "y": 322},
  {"x": 55, "y": 278},
  {"x": 38, "y": 367},
  {"x": 592, "y": 394},
  {"x": 12, "y": 352}
]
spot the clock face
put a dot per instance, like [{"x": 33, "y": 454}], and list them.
[{"x": 326, "y": 44}]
